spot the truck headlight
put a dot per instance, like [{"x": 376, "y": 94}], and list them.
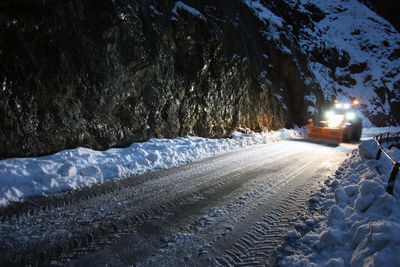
[
  {"x": 330, "y": 114},
  {"x": 350, "y": 116},
  {"x": 339, "y": 105},
  {"x": 335, "y": 121}
]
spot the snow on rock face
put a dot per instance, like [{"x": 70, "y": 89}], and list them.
[
  {"x": 354, "y": 53},
  {"x": 195, "y": 12},
  {"x": 362, "y": 226},
  {"x": 264, "y": 13}
]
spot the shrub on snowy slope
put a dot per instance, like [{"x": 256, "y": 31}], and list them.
[{"x": 360, "y": 222}]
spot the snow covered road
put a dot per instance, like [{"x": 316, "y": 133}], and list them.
[{"x": 233, "y": 208}]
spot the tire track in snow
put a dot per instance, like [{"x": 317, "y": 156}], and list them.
[
  {"x": 143, "y": 211},
  {"x": 247, "y": 212},
  {"x": 115, "y": 219},
  {"x": 257, "y": 246}
]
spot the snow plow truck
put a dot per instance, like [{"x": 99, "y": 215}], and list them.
[{"x": 341, "y": 123}]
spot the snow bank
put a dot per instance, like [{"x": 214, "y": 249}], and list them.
[
  {"x": 21, "y": 178},
  {"x": 356, "y": 223}
]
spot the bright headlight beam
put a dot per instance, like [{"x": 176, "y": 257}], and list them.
[
  {"x": 338, "y": 105},
  {"x": 350, "y": 115},
  {"x": 335, "y": 121},
  {"x": 330, "y": 114}
]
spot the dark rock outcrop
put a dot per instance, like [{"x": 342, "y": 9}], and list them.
[{"x": 105, "y": 74}]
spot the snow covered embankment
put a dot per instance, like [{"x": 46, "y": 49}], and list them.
[
  {"x": 358, "y": 223},
  {"x": 21, "y": 178}
]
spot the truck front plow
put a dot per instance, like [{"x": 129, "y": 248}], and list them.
[{"x": 325, "y": 133}]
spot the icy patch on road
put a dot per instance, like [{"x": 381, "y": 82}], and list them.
[
  {"x": 21, "y": 178},
  {"x": 357, "y": 223}
]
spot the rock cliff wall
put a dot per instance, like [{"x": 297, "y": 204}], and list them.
[{"x": 107, "y": 73}]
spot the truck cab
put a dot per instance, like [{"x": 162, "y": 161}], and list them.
[{"x": 341, "y": 122}]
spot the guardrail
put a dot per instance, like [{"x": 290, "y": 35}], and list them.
[{"x": 392, "y": 140}]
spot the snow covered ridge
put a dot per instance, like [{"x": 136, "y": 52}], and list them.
[
  {"x": 357, "y": 223},
  {"x": 368, "y": 40},
  {"x": 21, "y": 178},
  {"x": 193, "y": 11},
  {"x": 264, "y": 13},
  {"x": 352, "y": 53}
]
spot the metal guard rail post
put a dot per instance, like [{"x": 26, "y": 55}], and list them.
[{"x": 396, "y": 165}]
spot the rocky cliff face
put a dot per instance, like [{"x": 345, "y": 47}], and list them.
[
  {"x": 84, "y": 73},
  {"x": 108, "y": 73},
  {"x": 368, "y": 60}
]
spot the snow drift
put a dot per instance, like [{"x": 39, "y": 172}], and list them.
[
  {"x": 21, "y": 178},
  {"x": 356, "y": 223}
]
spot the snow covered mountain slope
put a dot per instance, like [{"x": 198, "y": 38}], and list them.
[
  {"x": 351, "y": 51},
  {"x": 368, "y": 53}
]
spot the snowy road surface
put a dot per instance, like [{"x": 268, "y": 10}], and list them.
[{"x": 236, "y": 207}]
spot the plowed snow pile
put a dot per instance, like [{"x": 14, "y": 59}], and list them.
[
  {"x": 21, "y": 178},
  {"x": 355, "y": 222}
]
